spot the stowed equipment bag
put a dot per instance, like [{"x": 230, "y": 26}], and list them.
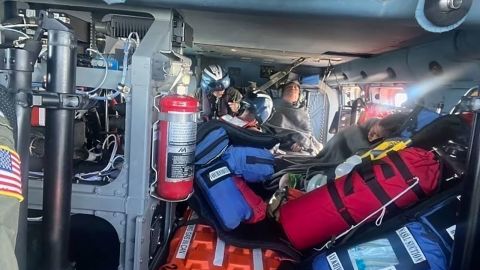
[
  {"x": 253, "y": 164},
  {"x": 211, "y": 146},
  {"x": 213, "y": 200},
  {"x": 225, "y": 159},
  {"x": 225, "y": 199},
  {"x": 423, "y": 243},
  {"x": 403, "y": 177},
  {"x": 237, "y": 136}
]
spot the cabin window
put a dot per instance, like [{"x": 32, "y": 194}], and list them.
[
  {"x": 392, "y": 96},
  {"x": 400, "y": 98}
]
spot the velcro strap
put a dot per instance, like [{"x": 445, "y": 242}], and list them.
[
  {"x": 406, "y": 174},
  {"x": 332, "y": 189}
]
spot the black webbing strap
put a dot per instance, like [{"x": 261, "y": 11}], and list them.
[
  {"x": 332, "y": 189},
  {"x": 387, "y": 170},
  {"x": 370, "y": 179},
  {"x": 348, "y": 185},
  {"x": 406, "y": 174}
]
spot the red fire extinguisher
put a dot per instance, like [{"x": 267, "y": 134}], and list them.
[{"x": 176, "y": 147}]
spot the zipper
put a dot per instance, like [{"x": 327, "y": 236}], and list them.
[{"x": 258, "y": 160}]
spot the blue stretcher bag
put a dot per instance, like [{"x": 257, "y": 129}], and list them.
[
  {"x": 253, "y": 164},
  {"x": 221, "y": 193}
]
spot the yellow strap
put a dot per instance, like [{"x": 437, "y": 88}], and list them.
[
  {"x": 15, "y": 195},
  {"x": 385, "y": 148}
]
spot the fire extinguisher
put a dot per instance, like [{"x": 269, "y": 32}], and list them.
[{"x": 176, "y": 147}]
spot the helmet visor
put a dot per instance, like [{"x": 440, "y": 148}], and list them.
[{"x": 216, "y": 86}]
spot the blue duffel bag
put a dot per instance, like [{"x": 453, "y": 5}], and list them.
[
  {"x": 221, "y": 193},
  {"x": 253, "y": 164},
  {"x": 211, "y": 146}
]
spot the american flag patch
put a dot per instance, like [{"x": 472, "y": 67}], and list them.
[{"x": 10, "y": 176}]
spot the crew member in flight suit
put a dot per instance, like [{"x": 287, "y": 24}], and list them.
[
  {"x": 10, "y": 183},
  {"x": 218, "y": 98}
]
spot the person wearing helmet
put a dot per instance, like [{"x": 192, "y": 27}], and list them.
[
  {"x": 291, "y": 122},
  {"x": 256, "y": 109},
  {"x": 291, "y": 94},
  {"x": 218, "y": 97}
]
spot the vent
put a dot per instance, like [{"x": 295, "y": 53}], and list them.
[{"x": 121, "y": 26}]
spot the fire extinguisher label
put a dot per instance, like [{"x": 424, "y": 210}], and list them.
[
  {"x": 181, "y": 151},
  {"x": 182, "y": 133}
]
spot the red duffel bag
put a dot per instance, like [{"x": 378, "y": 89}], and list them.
[{"x": 406, "y": 176}]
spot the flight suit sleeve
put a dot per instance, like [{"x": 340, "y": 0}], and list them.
[
  {"x": 9, "y": 208},
  {"x": 9, "y": 198}
]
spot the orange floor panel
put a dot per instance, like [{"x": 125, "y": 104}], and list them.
[{"x": 196, "y": 247}]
